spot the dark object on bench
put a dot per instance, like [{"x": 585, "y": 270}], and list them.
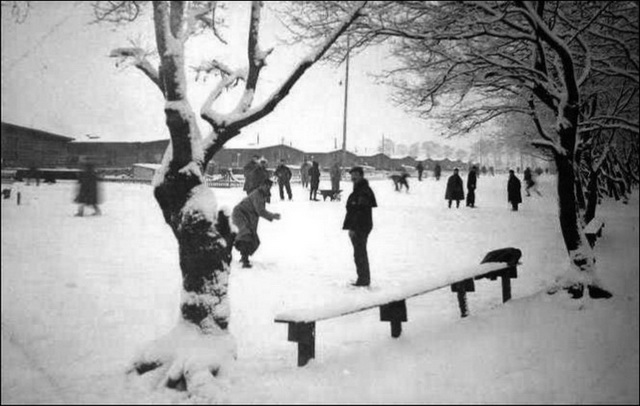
[
  {"x": 302, "y": 326},
  {"x": 332, "y": 194},
  {"x": 593, "y": 230}
]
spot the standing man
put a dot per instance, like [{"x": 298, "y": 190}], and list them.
[
  {"x": 513, "y": 191},
  {"x": 314, "y": 176},
  {"x": 336, "y": 174},
  {"x": 283, "y": 173},
  {"x": 420, "y": 169},
  {"x": 359, "y": 222},
  {"x": 472, "y": 178}
]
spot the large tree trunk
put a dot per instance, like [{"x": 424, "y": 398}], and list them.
[{"x": 580, "y": 252}]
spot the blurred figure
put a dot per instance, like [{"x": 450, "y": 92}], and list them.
[
  {"x": 513, "y": 191},
  {"x": 336, "y": 174},
  {"x": 304, "y": 174},
  {"x": 455, "y": 189},
  {"x": 246, "y": 216},
  {"x": 437, "y": 170},
  {"x": 530, "y": 181},
  {"x": 420, "y": 169},
  {"x": 88, "y": 194},
  {"x": 400, "y": 180}
]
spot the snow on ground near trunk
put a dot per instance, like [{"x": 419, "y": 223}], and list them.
[{"x": 80, "y": 295}]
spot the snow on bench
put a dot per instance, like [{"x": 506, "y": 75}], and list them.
[
  {"x": 301, "y": 321},
  {"x": 593, "y": 230}
]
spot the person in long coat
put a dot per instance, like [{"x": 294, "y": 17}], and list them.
[
  {"x": 472, "y": 178},
  {"x": 304, "y": 174},
  {"x": 514, "y": 196},
  {"x": 359, "y": 222},
  {"x": 88, "y": 192},
  {"x": 455, "y": 189},
  {"x": 246, "y": 216},
  {"x": 314, "y": 176}
]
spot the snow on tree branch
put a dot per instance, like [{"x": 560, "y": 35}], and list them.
[{"x": 265, "y": 108}]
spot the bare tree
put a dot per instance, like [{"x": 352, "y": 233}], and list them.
[
  {"x": 189, "y": 207},
  {"x": 515, "y": 57}
]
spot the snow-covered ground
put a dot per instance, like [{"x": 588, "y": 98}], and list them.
[{"x": 81, "y": 295}]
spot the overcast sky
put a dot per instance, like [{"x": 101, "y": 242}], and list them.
[{"x": 57, "y": 76}]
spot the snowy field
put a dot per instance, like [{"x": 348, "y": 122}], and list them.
[{"x": 81, "y": 295}]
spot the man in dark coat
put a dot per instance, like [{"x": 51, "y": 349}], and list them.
[
  {"x": 246, "y": 216},
  {"x": 314, "y": 177},
  {"x": 420, "y": 169},
  {"x": 359, "y": 222},
  {"x": 88, "y": 194},
  {"x": 513, "y": 191},
  {"x": 437, "y": 170},
  {"x": 471, "y": 187},
  {"x": 455, "y": 189},
  {"x": 283, "y": 173}
]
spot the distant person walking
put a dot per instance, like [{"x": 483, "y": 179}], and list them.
[
  {"x": 437, "y": 171},
  {"x": 335, "y": 174},
  {"x": 420, "y": 169},
  {"x": 304, "y": 174},
  {"x": 359, "y": 222},
  {"x": 283, "y": 173},
  {"x": 455, "y": 189},
  {"x": 246, "y": 216},
  {"x": 530, "y": 182},
  {"x": 514, "y": 196},
  {"x": 472, "y": 178},
  {"x": 314, "y": 177},
  {"x": 88, "y": 193}
]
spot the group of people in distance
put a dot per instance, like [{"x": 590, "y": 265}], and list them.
[{"x": 358, "y": 220}]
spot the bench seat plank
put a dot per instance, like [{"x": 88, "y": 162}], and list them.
[{"x": 363, "y": 300}]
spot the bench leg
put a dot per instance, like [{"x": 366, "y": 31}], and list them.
[
  {"x": 396, "y": 313},
  {"x": 506, "y": 289},
  {"x": 462, "y": 303},
  {"x": 396, "y": 328},
  {"x": 305, "y": 335}
]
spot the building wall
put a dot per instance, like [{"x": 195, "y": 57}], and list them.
[{"x": 25, "y": 147}]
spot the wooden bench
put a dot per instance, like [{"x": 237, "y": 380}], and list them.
[
  {"x": 593, "y": 230},
  {"x": 392, "y": 303},
  {"x": 332, "y": 194}
]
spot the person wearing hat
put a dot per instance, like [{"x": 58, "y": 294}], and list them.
[
  {"x": 246, "y": 216},
  {"x": 359, "y": 222}
]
